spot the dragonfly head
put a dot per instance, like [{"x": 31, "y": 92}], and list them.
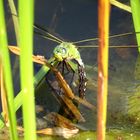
[
  {"x": 61, "y": 51},
  {"x": 67, "y": 51}
]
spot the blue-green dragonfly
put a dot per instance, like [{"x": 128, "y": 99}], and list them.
[
  {"x": 66, "y": 53},
  {"x": 66, "y": 56}
]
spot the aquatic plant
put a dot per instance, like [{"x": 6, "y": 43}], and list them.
[
  {"x": 133, "y": 100},
  {"x": 6, "y": 68},
  {"x": 135, "y": 6},
  {"x": 27, "y": 82},
  {"x": 26, "y": 20}
]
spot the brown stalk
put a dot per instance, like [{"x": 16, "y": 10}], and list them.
[
  {"x": 59, "y": 120},
  {"x": 3, "y": 95},
  {"x": 73, "y": 108},
  {"x": 103, "y": 26},
  {"x": 55, "y": 131},
  {"x": 65, "y": 132}
]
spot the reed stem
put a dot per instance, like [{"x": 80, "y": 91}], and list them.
[
  {"x": 135, "y": 6},
  {"x": 26, "y": 17},
  {"x": 103, "y": 28},
  {"x": 4, "y": 54}
]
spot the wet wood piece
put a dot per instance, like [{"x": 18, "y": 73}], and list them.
[
  {"x": 56, "y": 131},
  {"x": 67, "y": 106},
  {"x": 73, "y": 108},
  {"x": 59, "y": 131},
  {"x": 68, "y": 92},
  {"x": 59, "y": 120}
]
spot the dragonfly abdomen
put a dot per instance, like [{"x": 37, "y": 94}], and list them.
[{"x": 82, "y": 81}]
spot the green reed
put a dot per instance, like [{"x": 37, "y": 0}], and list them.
[
  {"x": 15, "y": 19},
  {"x": 135, "y": 6},
  {"x": 4, "y": 54},
  {"x": 38, "y": 77},
  {"x": 26, "y": 18},
  {"x": 18, "y": 100}
]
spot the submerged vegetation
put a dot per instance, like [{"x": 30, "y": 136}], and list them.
[{"x": 66, "y": 77}]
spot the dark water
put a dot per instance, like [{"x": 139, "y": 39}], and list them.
[{"x": 76, "y": 20}]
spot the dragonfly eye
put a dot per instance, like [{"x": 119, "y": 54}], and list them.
[
  {"x": 57, "y": 51},
  {"x": 64, "y": 50}
]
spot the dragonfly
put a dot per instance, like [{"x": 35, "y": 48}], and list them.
[
  {"x": 67, "y": 54},
  {"x": 69, "y": 61}
]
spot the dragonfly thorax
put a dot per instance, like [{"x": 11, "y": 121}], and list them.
[{"x": 67, "y": 51}]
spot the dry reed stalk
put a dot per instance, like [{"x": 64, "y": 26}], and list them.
[
  {"x": 103, "y": 27},
  {"x": 3, "y": 96}
]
